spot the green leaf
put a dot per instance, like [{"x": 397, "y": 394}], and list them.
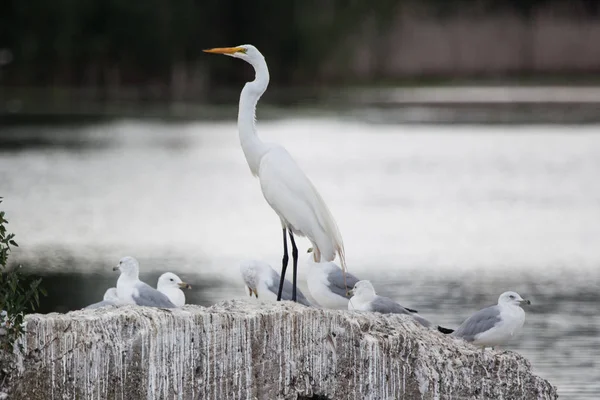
[{"x": 18, "y": 293}]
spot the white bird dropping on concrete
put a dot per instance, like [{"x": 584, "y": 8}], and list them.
[
  {"x": 326, "y": 283},
  {"x": 263, "y": 282},
  {"x": 170, "y": 285},
  {"x": 365, "y": 299},
  {"x": 494, "y": 325},
  {"x": 133, "y": 291},
  {"x": 110, "y": 299}
]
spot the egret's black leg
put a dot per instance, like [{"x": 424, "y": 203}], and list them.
[
  {"x": 295, "y": 258},
  {"x": 284, "y": 263}
]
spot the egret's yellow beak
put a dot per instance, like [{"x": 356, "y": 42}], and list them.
[
  {"x": 225, "y": 50},
  {"x": 184, "y": 285}
]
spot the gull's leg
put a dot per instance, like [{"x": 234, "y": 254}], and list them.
[
  {"x": 295, "y": 264},
  {"x": 284, "y": 263}
]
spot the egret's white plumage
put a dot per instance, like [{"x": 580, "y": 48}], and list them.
[
  {"x": 495, "y": 325},
  {"x": 298, "y": 204},
  {"x": 170, "y": 285},
  {"x": 285, "y": 187},
  {"x": 133, "y": 291}
]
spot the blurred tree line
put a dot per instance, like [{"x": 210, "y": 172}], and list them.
[{"x": 115, "y": 43}]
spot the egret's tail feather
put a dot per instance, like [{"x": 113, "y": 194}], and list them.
[
  {"x": 342, "y": 255},
  {"x": 317, "y": 253}
]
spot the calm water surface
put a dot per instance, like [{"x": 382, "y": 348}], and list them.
[{"x": 442, "y": 218}]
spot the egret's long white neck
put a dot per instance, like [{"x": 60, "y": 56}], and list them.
[{"x": 253, "y": 147}]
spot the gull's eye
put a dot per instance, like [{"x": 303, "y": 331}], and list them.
[
  {"x": 511, "y": 297},
  {"x": 171, "y": 279}
]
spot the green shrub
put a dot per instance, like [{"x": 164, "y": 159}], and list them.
[{"x": 18, "y": 294}]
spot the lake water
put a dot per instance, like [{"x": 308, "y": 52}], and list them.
[{"x": 441, "y": 218}]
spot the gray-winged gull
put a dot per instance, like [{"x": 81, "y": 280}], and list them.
[
  {"x": 263, "y": 281},
  {"x": 326, "y": 284},
  {"x": 170, "y": 285},
  {"x": 133, "y": 291},
  {"x": 365, "y": 299},
  {"x": 494, "y": 325},
  {"x": 110, "y": 299}
]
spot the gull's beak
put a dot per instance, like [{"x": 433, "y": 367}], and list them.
[
  {"x": 350, "y": 292},
  {"x": 225, "y": 50},
  {"x": 116, "y": 268},
  {"x": 184, "y": 285},
  {"x": 524, "y": 301}
]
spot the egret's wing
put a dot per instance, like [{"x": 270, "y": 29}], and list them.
[
  {"x": 150, "y": 297},
  {"x": 295, "y": 199},
  {"x": 100, "y": 304},
  {"x": 479, "y": 322},
  {"x": 335, "y": 281},
  {"x": 286, "y": 293},
  {"x": 386, "y": 305},
  {"x": 326, "y": 220}
]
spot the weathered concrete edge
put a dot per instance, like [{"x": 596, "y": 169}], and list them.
[{"x": 396, "y": 357}]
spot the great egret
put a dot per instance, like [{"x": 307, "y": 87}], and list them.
[{"x": 286, "y": 188}]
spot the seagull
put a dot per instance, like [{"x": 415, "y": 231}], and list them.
[
  {"x": 133, "y": 291},
  {"x": 326, "y": 283},
  {"x": 171, "y": 285},
  {"x": 365, "y": 299},
  {"x": 263, "y": 281},
  {"x": 110, "y": 299},
  {"x": 494, "y": 325}
]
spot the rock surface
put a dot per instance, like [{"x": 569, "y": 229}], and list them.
[{"x": 239, "y": 350}]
